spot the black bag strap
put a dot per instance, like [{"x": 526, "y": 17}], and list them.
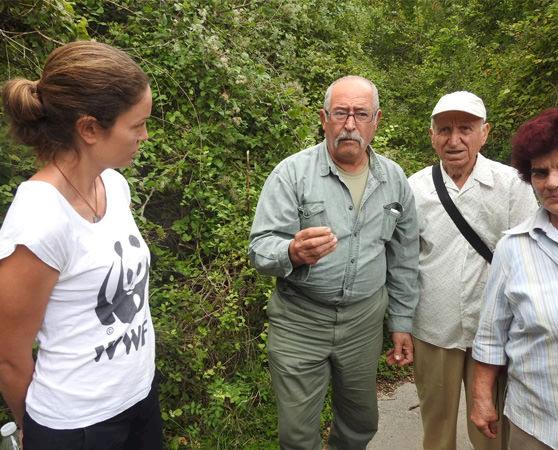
[{"x": 466, "y": 230}]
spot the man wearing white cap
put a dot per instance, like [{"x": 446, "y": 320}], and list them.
[{"x": 452, "y": 274}]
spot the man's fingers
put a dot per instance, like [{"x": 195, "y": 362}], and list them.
[
  {"x": 314, "y": 243},
  {"x": 402, "y": 351},
  {"x": 326, "y": 247},
  {"x": 312, "y": 232},
  {"x": 398, "y": 352},
  {"x": 406, "y": 362},
  {"x": 317, "y": 253},
  {"x": 402, "y": 348},
  {"x": 408, "y": 354},
  {"x": 399, "y": 340},
  {"x": 389, "y": 357},
  {"x": 311, "y": 244}
]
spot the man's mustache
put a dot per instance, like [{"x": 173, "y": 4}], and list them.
[{"x": 352, "y": 136}]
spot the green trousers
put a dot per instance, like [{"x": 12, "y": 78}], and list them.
[{"x": 310, "y": 345}]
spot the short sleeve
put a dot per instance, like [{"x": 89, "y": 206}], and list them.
[
  {"x": 36, "y": 220},
  {"x": 496, "y": 315}
]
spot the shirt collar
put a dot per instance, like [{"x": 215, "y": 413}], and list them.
[
  {"x": 540, "y": 221},
  {"x": 482, "y": 171},
  {"x": 327, "y": 165}
]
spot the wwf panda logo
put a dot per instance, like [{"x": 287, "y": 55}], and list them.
[{"x": 126, "y": 301}]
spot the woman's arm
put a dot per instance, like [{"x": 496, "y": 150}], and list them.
[
  {"x": 483, "y": 411},
  {"x": 489, "y": 346},
  {"x": 26, "y": 284}
]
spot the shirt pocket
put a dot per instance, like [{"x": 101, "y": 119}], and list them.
[
  {"x": 392, "y": 213},
  {"x": 312, "y": 214}
]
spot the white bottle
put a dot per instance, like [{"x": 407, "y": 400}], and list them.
[{"x": 9, "y": 437}]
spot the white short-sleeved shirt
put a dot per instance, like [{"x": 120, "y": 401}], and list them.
[
  {"x": 452, "y": 275},
  {"x": 96, "y": 342}
]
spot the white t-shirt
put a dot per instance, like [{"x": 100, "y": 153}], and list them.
[{"x": 96, "y": 343}]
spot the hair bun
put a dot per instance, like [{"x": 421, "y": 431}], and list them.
[
  {"x": 22, "y": 101},
  {"x": 81, "y": 78}
]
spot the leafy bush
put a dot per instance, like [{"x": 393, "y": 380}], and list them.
[{"x": 236, "y": 88}]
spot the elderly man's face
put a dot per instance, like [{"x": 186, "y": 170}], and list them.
[
  {"x": 347, "y": 140},
  {"x": 457, "y": 138},
  {"x": 544, "y": 179}
]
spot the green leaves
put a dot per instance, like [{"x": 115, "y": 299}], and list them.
[{"x": 236, "y": 88}]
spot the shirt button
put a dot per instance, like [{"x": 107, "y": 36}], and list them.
[
  {"x": 351, "y": 207},
  {"x": 352, "y": 260},
  {"x": 355, "y": 234}
]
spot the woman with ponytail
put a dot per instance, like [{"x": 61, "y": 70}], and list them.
[{"x": 74, "y": 268}]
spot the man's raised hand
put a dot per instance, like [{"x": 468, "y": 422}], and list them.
[{"x": 310, "y": 245}]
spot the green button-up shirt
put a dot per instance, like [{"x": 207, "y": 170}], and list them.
[{"x": 377, "y": 244}]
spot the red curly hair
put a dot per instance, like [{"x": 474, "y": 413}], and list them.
[{"x": 536, "y": 137}]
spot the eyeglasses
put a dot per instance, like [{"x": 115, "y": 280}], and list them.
[{"x": 359, "y": 116}]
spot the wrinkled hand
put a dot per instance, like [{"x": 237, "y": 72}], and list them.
[
  {"x": 311, "y": 244},
  {"x": 402, "y": 353},
  {"x": 485, "y": 417}
]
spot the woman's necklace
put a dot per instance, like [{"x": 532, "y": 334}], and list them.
[{"x": 96, "y": 217}]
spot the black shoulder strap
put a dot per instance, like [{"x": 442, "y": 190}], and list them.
[{"x": 466, "y": 230}]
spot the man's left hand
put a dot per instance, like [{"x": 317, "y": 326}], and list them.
[{"x": 402, "y": 351}]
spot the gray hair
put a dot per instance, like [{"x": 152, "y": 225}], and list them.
[{"x": 375, "y": 97}]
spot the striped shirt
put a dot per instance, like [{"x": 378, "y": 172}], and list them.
[{"x": 519, "y": 325}]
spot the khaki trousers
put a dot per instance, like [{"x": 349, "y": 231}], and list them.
[
  {"x": 311, "y": 345},
  {"x": 519, "y": 440},
  {"x": 439, "y": 373}
]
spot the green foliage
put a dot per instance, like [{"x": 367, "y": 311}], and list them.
[
  {"x": 24, "y": 45},
  {"x": 392, "y": 373},
  {"x": 25, "y": 39},
  {"x": 237, "y": 85}
]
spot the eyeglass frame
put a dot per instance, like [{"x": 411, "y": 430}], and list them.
[{"x": 349, "y": 114}]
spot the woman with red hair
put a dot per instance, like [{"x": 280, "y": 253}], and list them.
[{"x": 519, "y": 321}]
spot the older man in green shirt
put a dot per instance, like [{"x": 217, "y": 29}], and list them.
[{"x": 336, "y": 224}]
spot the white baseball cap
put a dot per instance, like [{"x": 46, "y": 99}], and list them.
[{"x": 461, "y": 101}]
